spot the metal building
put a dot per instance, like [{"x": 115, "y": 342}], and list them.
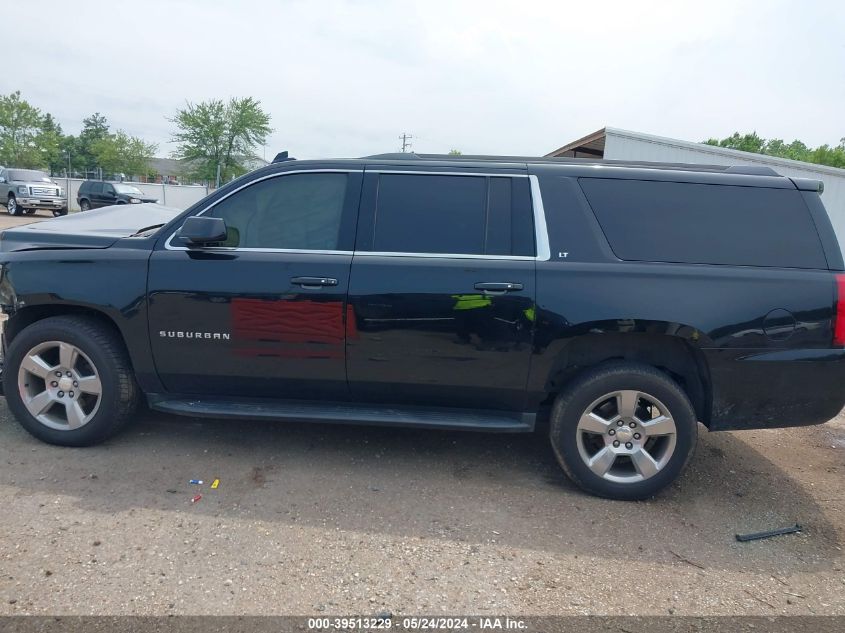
[{"x": 613, "y": 143}]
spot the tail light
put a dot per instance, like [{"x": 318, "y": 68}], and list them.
[{"x": 839, "y": 313}]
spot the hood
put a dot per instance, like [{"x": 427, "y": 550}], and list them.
[
  {"x": 144, "y": 197},
  {"x": 99, "y": 228}
]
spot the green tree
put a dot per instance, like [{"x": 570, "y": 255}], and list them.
[
  {"x": 796, "y": 150},
  {"x": 27, "y": 137},
  {"x": 94, "y": 128},
  {"x": 455, "y": 152},
  {"x": 213, "y": 133},
  {"x": 52, "y": 142},
  {"x": 120, "y": 153},
  {"x": 743, "y": 142}
]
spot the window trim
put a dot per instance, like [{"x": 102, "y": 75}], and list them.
[{"x": 541, "y": 235}]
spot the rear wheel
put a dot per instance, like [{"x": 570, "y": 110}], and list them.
[
  {"x": 623, "y": 431},
  {"x": 68, "y": 381},
  {"x": 12, "y": 206},
  {"x": 84, "y": 205}
]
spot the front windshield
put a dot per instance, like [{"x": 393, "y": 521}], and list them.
[
  {"x": 28, "y": 175},
  {"x": 128, "y": 189}
]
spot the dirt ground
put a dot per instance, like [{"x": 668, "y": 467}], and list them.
[
  {"x": 313, "y": 519},
  {"x": 341, "y": 520},
  {"x": 8, "y": 221}
]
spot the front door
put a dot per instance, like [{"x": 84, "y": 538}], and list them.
[
  {"x": 442, "y": 290},
  {"x": 263, "y": 313},
  {"x": 108, "y": 196}
]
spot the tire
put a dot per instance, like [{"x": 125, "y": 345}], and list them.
[
  {"x": 651, "y": 451},
  {"x": 71, "y": 411},
  {"x": 30, "y": 211},
  {"x": 59, "y": 212},
  {"x": 12, "y": 206},
  {"x": 84, "y": 205}
]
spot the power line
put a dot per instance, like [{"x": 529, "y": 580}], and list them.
[{"x": 405, "y": 144}]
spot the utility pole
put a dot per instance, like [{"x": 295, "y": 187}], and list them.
[{"x": 405, "y": 144}]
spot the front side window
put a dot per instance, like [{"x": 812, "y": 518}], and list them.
[
  {"x": 297, "y": 211},
  {"x": 128, "y": 189}
]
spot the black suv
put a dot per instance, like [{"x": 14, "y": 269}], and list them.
[
  {"x": 96, "y": 193},
  {"x": 616, "y": 305}
]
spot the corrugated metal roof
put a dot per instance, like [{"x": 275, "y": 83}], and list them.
[{"x": 598, "y": 139}]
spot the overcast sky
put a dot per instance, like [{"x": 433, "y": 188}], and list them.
[{"x": 346, "y": 78}]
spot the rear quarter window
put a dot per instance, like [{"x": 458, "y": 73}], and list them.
[{"x": 705, "y": 224}]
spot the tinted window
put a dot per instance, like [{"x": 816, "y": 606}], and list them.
[
  {"x": 299, "y": 211},
  {"x": 95, "y": 188},
  {"x": 471, "y": 215},
  {"x": 705, "y": 224}
]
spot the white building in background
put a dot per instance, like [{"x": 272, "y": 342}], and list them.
[{"x": 615, "y": 144}]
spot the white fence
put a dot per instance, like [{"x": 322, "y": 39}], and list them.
[{"x": 176, "y": 196}]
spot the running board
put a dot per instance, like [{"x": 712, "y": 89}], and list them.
[{"x": 346, "y": 413}]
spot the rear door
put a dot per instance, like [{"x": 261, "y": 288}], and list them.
[
  {"x": 95, "y": 193},
  {"x": 442, "y": 289}
]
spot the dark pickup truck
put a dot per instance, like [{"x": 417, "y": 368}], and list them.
[{"x": 614, "y": 305}]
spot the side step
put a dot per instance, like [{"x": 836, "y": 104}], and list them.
[{"x": 345, "y": 413}]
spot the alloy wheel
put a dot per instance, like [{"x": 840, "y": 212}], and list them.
[
  {"x": 59, "y": 385},
  {"x": 626, "y": 436}
]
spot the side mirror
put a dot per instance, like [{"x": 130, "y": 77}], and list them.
[{"x": 199, "y": 230}]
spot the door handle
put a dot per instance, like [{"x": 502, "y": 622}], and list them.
[
  {"x": 313, "y": 282},
  {"x": 497, "y": 287}
]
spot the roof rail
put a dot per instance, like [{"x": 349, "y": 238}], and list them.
[
  {"x": 750, "y": 170},
  {"x": 395, "y": 156}
]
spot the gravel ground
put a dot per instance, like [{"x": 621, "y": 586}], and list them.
[{"x": 315, "y": 519}]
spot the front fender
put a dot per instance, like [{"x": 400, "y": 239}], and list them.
[{"x": 111, "y": 282}]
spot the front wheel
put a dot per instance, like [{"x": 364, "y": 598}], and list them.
[
  {"x": 59, "y": 212},
  {"x": 623, "y": 430},
  {"x": 12, "y": 206},
  {"x": 30, "y": 211},
  {"x": 68, "y": 381}
]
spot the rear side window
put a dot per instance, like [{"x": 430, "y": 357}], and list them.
[
  {"x": 445, "y": 214},
  {"x": 705, "y": 224}
]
